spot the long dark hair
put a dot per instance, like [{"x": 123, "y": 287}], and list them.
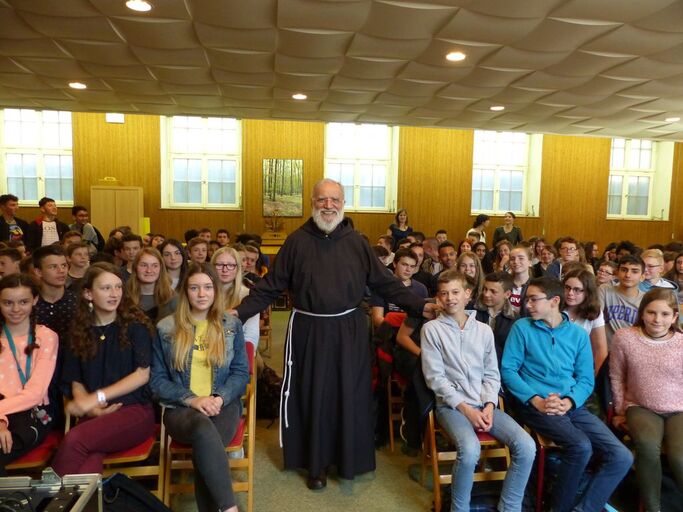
[
  {"x": 83, "y": 335},
  {"x": 183, "y": 253},
  {"x": 20, "y": 281},
  {"x": 590, "y": 307}
]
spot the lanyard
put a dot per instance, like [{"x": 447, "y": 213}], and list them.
[{"x": 22, "y": 376}]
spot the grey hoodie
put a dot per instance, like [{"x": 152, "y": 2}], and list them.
[{"x": 460, "y": 365}]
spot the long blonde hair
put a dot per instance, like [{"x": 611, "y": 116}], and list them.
[
  {"x": 163, "y": 292},
  {"x": 184, "y": 328},
  {"x": 231, "y": 296}
]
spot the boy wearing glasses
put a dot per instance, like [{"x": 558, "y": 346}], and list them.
[
  {"x": 654, "y": 268},
  {"x": 620, "y": 302},
  {"x": 569, "y": 251},
  {"x": 460, "y": 365},
  {"x": 548, "y": 367}
]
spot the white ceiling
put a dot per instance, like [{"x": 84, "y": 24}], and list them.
[{"x": 599, "y": 67}]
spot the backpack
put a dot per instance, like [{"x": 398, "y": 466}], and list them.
[
  {"x": 268, "y": 388},
  {"x": 123, "y": 494}
]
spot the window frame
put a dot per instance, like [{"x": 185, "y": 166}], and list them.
[
  {"x": 531, "y": 178},
  {"x": 40, "y": 151},
  {"x": 168, "y": 155},
  {"x": 658, "y": 173},
  {"x": 391, "y": 177}
]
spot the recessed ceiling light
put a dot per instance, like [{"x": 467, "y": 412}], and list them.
[
  {"x": 77, "y": 85},
  {"x": 299, "y": 96},
  {"x": 139, "y": 5},
  {"x": 672, "y": 119},
  {"x": 497, "y": 108},
  {"x": 456, "y": 56}
]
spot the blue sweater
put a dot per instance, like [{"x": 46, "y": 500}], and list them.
[{"x": 539, "y": 360}]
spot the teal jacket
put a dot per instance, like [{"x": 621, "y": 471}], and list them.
[{"x": 539, "y": 360}]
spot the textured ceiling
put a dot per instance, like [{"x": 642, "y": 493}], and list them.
[{"x": 599, "y": 67}]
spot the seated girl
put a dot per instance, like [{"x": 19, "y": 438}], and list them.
[
  {"x": 199, "y": 373},
  {"x": 149, "y": 286},
  {"x": 228, "y": 265},
  {"x": 106, "y": 370},
  {"x": 28, "y": 354},
  {"x": 647, "y": 384}
]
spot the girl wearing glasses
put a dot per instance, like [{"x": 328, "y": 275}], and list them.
[
  {"x": 583, "y": 308},
  {"x": 676, "y": 276},
  {"x": 199, "y": 373},
  {"x": 28, "y": 354},
  {"x": 149, "y": 286},
  {"x": 228, "y": 265},
  {"x": 647, "y": 383},
  {"x": 175, "y": 261}
]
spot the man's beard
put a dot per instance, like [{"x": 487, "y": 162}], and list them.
[{"x": 324, "y": 226}]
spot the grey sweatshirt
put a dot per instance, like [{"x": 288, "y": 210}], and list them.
[{"x": 460, "y": 365}]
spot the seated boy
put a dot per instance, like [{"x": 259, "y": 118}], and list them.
[
  {"x": 460, "y": 366},
  {"x": 548, "y": 367}
]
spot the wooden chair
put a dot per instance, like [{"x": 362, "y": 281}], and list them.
[
  {"x": 441, "y": 461},
  {"x": 178, "y": 455},
  {"x": 39, "y": 457},
  {"x": 138, "y": 461},
  {"x": 395, "y": 386}
]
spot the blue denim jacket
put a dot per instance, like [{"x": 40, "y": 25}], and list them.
[{"x": 172, "y": 387}]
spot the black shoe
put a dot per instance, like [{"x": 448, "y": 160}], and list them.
[{"x": 317, "y": 483}]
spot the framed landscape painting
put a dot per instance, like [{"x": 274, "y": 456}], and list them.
[{"x": 283, "y": 180}]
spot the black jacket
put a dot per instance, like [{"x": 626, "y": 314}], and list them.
[{"x": 34, "y": 238}]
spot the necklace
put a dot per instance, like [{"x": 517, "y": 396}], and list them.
[
  {"x": 101, "y": 331},
  {"x": 644, "y": 331}
]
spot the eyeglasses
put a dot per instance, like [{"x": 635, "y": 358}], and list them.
[
  {"x": 568, "y": 249},
  {"x": 576, "y": 291},
  {"x": 652, "y": 266},
  {"x": 223, "y": 266},
  {"x": 605, "y": 273},
  {"x": 534, "y": 300}
]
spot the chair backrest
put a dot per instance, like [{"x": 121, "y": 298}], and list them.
[{"x": 251, "y": 355}]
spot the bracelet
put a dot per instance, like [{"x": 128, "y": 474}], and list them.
[{"x": 101, "y": 397}]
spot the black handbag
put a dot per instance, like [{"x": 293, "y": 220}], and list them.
[{"x": 121, "y": 493}]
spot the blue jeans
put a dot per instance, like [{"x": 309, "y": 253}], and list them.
[
  {"x": 580, "y": 434},
  {"x": 504, "y": 429}
]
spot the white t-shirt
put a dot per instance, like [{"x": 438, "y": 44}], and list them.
[
  {"x": 589, "y": 325},
  {"x": 50, "y": 234}
]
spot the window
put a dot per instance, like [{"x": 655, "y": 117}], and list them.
[
  {"x": 640, "y": 172},
  {"x": 506, "y": 172},
  {"x": 201, "y": 162},
  {"x": 364, "y": 159},
  {"x": 36, "y": 155}
]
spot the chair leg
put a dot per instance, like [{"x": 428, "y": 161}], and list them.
[
  {"x": 390, "y": 414},
  {"x": 539, "y": 478}
]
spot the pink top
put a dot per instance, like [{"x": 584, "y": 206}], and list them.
[
  {"x": 43, "y": 363},
  {"x": 646, "y": 372}
]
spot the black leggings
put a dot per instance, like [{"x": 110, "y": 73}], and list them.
[{"x": 27, "y": 433}]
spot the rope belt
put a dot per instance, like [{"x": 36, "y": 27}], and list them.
[{"x": 284, "y": 393}]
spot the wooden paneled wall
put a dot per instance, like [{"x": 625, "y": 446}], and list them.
[{"x": 435, "y": 173}]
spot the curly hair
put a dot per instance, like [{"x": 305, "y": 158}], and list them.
[
  {"x": 83, "y": 333},
  {"x": 21, "y": 281}
]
